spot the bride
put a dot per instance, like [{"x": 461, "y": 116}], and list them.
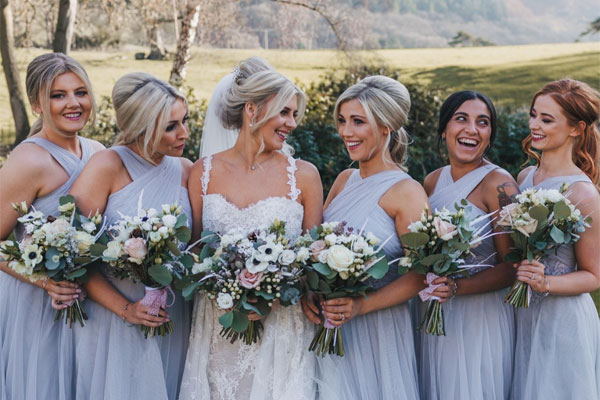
[{"x": 248, "y": 186}]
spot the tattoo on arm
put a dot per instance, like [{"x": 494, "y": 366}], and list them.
[{"x": 503, "y": 197}]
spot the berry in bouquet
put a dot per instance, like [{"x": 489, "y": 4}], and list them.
[
  {"x": 539, "y": 222},
  {"x": 56, "y": 247},
  {"x": 146, "y": 248},
  {"x": 245, "y": 272},
  {"x": 340, "y": 263},
  {"x": 438, "y": 245}
]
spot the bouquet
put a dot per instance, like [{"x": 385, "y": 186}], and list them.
[
  {"x": 539, "y": 221},
  {"x": 339, "y": 264},
  {"x": 438, "y": 245},
  {"x": 245, "y": 272},
  {"x": 146, "y": 248},
  {"x": 55, "y": 247}
]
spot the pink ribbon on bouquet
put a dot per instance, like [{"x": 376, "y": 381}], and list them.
[
  {"x": 156, "y": 298},
  {"x": 426, "y": 294}
]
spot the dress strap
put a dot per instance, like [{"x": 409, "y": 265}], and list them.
[
  {"x": 292, "y": 168},
  {"x": 207, "y": 162},
  {"x": 67, "y": 160}
]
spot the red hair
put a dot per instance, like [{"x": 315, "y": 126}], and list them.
[{"x": 579, "y": 103}]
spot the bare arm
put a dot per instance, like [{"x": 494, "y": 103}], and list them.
[
  {"x": 195, "y": 193},
  {"x": 309, "y": 182},
  {"x": 103, "y": 175},
  {"x": 405, "y": 287},
  {"x": 587, "y": 277}
]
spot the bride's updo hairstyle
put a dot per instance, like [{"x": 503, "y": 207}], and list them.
[
  {"x": 386, "y": 103},
  {"x": 143, "y": 107},
  {"x": 579, "y": 103},
  {"x": 256, "y": 82},
  {"x": 41, "y": 73}
]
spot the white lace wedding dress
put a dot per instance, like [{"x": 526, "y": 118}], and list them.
[{"x": 280, "y": 365}]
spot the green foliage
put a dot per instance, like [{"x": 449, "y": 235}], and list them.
[{"x": 507, "y": 152}]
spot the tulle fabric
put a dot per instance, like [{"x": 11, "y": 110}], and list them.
[
  {"x": 474, "y": 360},
  {"x": 36, "y": 353},
  {"x": 114, "y": 361},
  {"x": 557, "y": 352},
  {"x": 379, "y": 360}
]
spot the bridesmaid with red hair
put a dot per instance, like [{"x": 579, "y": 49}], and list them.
[{"x": 557, "y": 352}]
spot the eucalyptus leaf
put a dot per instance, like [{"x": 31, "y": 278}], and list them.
[
  {"x": 173, "y": 248},
  {"x": 414, "y": 239},
  {"x": 561, "y": 210},
  {"x": 557, "y": 235},
  {"x": 540, "y": 213},
  {"x": 160, "y": 274},
  {"x": 226, "y": 320},
  {"x": 188, "y": 291},
  {"x": 66, "y": 199},
  {"x": 183, "y": 234},
  {"x": 181, "y": 221},
  {"x": 76, "y": 274},
  {"x": 378, "y": 270},
  {"x": 321, "y": 268},
  {"x": 97, "y": 249},
  {"x": 240, "y": 322},
  {"x": 312, "y": 279}
]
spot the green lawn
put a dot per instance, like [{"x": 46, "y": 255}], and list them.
[{"x": 509, "y": 74}]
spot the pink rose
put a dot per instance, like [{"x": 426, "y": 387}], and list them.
[
  {"x": 444, "y": 229},
  {"x": 315, "y": 248},
  {"x": 249, "y": 280},
  {"x": 136, "y": 249}
]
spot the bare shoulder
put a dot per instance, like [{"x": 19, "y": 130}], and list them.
[
  {"x": 306, "y": 170},
  {"x": 523, "y": 174},
  {"x": 406, "y": 190},
  {"x": 105, "y": 161},
  {"x": 431, "y": 180},
  {"x": 186, "y": 164},
  {"x": 96, "y": 145},
  {"x": 28, "y": 158},
  {"x": 498, "y": 177}
]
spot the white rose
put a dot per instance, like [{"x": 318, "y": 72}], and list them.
[
  {"x": 372, "y": 239},
  {"x": 360, "y": 245},
  {"x": 526, "y": 225},
  {"x": 553, "y": 195},
  {"x": 154, "y": 237},
  {"x": 303, "y": 255},
  {"x": 147, "y": 226},
  {"x": 151, "y": 213},
  {"x": 509, "y": 213},
  {"x": 66, "y": 207},
  {"x": 416, "y": 227},
  {"x": 224, "y": 301},
  {"x": 89, "y": 226},
  {"x": 287, "y": 257},
  {"x": 169, "y": 220},
  {"x": 204, "y": 266},
  {"x": 340, "y": 258},
  {"x": 113, "y": 250},
  {"x": 84, "y": 241},
  {"x": 163, "y": 231},
  {"x": 331, "y": 239}
]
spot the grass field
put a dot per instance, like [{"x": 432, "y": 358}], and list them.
[{"x": 509, "y": 74}]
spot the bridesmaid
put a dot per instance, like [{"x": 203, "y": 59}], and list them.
[
  {"x": 474, "y": 359},
  {"x": 36, "y": 354},
  {"x": 380, "y": 358},
  {"x": 558, "y": 337},
  {"x": 113, "y": 360}
]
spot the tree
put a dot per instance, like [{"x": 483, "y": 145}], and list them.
[
  {"x": 464, "y": 39},
  {"x": 7, "y": 44},
  {"x": 65, "y": 25},
  {"x": 185, "y": 40},
  {"x": 593, "y": 27}
]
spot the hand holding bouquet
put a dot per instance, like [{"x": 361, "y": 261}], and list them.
[
  {"x": 145, "y": 248},
  {"x": 438, "y": 245},
  {"x": 244, "y": 273},
  {"x": 539, "y": 222},
  {"x": 55, "y": 247},
  {"x": 338, "y": 264}
]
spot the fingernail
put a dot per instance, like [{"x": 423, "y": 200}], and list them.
[{"x": 78, "y": 290}]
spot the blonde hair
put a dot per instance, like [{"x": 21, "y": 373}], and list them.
[
  {"x": 41, "y": 73},
  {"x": 143, "y": 107},
  {"x": 386, "y": 103},
  {"x": 255, "y": 81}
]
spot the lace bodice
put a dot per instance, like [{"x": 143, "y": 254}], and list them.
[{"x": 220, "y": 215}]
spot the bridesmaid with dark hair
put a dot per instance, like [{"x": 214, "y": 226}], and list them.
[
  {"x": 36, "y": 354},
  {"x": 474, "y": 359},
  {"x": 557, "y": 353}
]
